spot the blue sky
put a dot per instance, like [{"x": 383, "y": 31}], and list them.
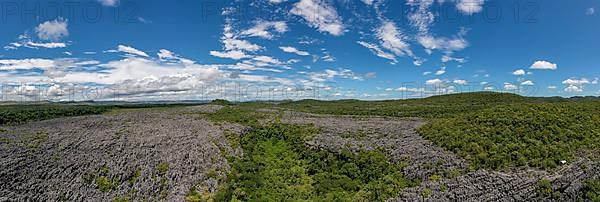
[{"x": 336, "y": 49}]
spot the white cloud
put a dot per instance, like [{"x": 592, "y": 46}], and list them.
[
  {"x": 289, "y": 49},
  {"x": 445, "y": 44},
  {"x": 131, "y": 51},
  {"x": 407, "y": 89},
  {"x": 434, "y": 82},
  {"x": 46, "y": 45},
  {"x": 236, "y": 44},
  {"x": 460, "y": 82},
  {"x": 590, "y": 11},
  {"x": 576, "y": 85},
  {"x": 234, "y": 54},
  {"x": 543, "y": 65},
  {"x": 421, "y": 17},
  {"x": 552, "y": 87},
  {"x": 510, "y": 86},
  {"x": 267, "y": 59},
  {"x": 26, "y": 42},
  {"x": 446, "y": 58},
  {"x": 368, "y": 2},
  {"x": 371, "y": 75},
  {"x": 330, "y": 74},
  {"x": 261, "y": 29},
  {"x": 26, "y": 64},
  {"x": 441, "y": 71},
  {"x": 527, "y": 83},
  {"x": 328, "y": 58},
  {"x": 320, "y": 15},
  {"x": 574, "y": 89},
  {"x": 392, "y": 39},
  {"x": 108, "y": 2},
  {"x": 426, "y": 73},
  {"x": 519, "y": 72},
  {"x": 52, "y": 30},
  {"x": 469, "y": 6},
  {"x": 167, "y": 55},
  {"x": 276, "y": 1},
  {"x": 377, "y": 51},
  {"x": 234, "y": 48}
]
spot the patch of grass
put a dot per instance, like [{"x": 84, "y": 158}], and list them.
[
  {"x": 426, "y": 193},
  {"x": 105, "y": 184},
  {"x": 238, "y": 115},
  {"x": 544, "y": 188},
  {"x": 162, "y": 168},
  {"x": 5, "y": 140},
  {"x": 35, "y": 140},
  {"x": 136, "y": 175},
  {"x": 591, "y": 190},
  {"x": 195, "y": 196}
]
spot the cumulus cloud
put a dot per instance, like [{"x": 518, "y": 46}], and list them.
[
  {"x": 434, "y": 82},
  {"x": 543, "y": 65},
  {"x": 234, "y": 54},
  {"x": 527, "y": 83},
  {"x": 320, "y": 15},
  {"x": 262, "y": 29},
  {"x": 519, "y": 72},
  {"x": 52, "y": 30},
  {"x": 289, "y": 49},
  {"x": 460, "y": 82},
  {"x": 574, "y": 85},
  {"x": 510, "y": 86},
  {"x": 441, "y": 71}
]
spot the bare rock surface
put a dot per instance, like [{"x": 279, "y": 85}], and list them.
[{"x": 154, "y": 155}]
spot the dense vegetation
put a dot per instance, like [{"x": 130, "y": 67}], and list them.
[
  {"x": 591, "y": 190},
  {"x": 432, "y": 107},
  {"x": 24, "y": 113},
  {"x": 277, "y": 166},
  {"x": 18, "y": 114},
  {"x": 535, "y": 135}
]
